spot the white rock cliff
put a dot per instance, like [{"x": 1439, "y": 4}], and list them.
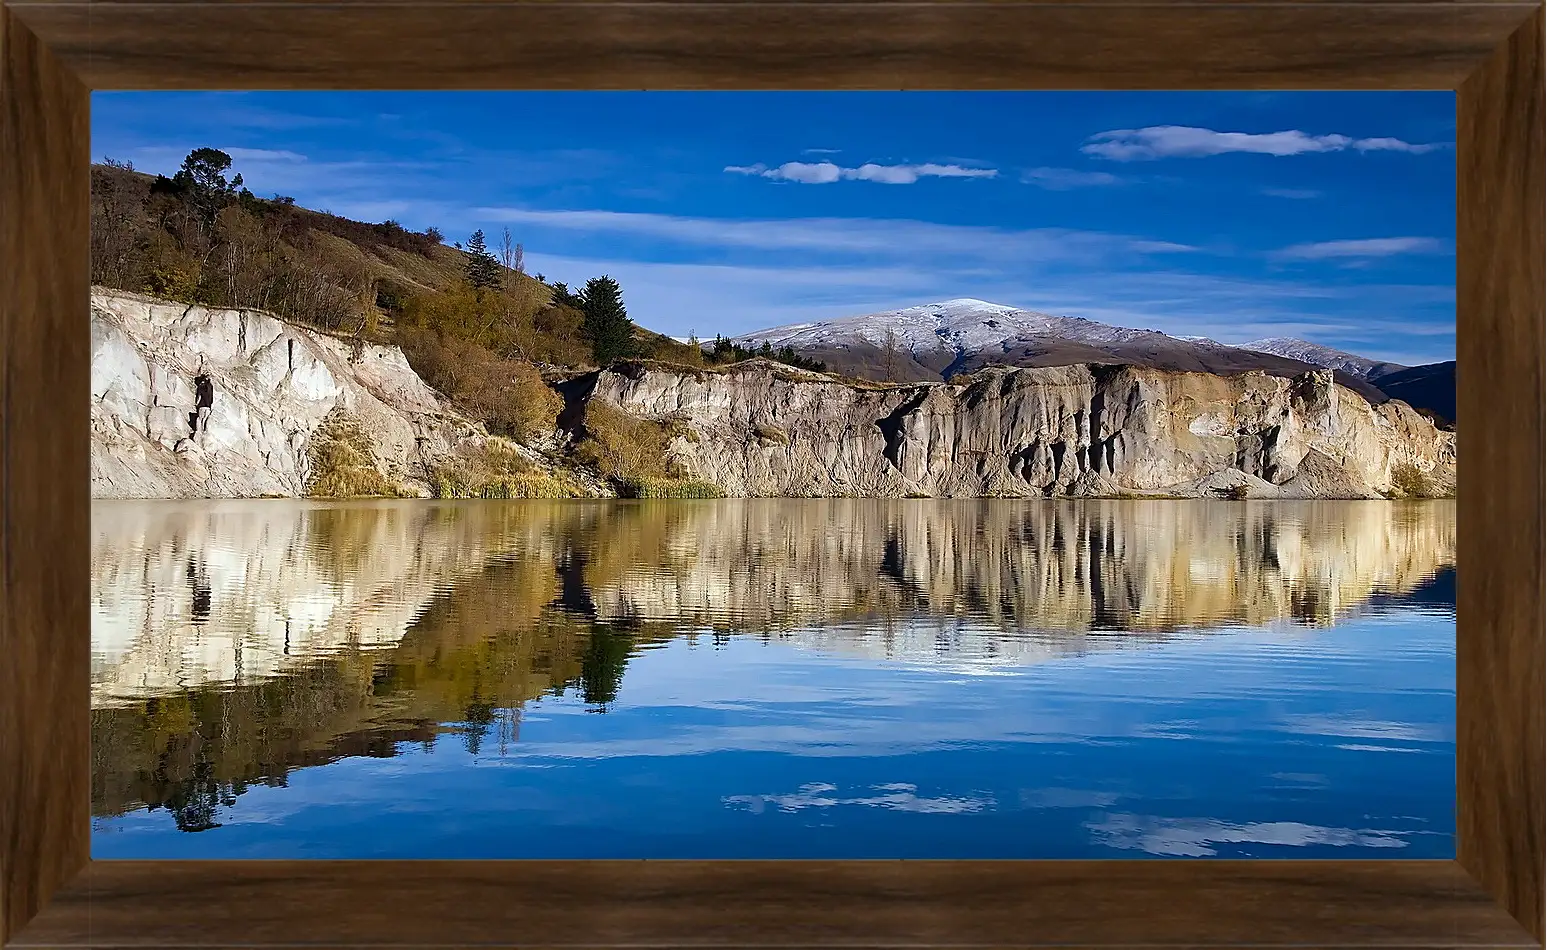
[
  {"x": 273, "y": 385},
  {"x": 755, "y": 429},
  {"x": 763, "y": 429}
]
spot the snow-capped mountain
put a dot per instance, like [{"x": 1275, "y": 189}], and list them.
[
  {"x": 1323, "y": 356},
  {"x": 963, "y": 325},
  {"x": 938, "y": 340}
]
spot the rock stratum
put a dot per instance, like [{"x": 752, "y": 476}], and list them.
[
  {"x": 757, "y": 428},
  {"x": 274, "y": 386},
  {"x": 763, "y": 429}
]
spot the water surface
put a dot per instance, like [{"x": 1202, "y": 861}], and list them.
[{"x": 773, "y": 678}]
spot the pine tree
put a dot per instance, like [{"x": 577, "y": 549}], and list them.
[
  {"x": 562, "y": 297},
  {"x": 202, "y": 182},
  {"x": 605, "y": 322},
  {"x": 482, "y": 268}
]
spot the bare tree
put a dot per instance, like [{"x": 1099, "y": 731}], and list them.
[
  {"x": 507, "y": 259},
  {"x": 889, "y": 356}
]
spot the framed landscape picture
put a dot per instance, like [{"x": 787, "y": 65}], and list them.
[{"x": 772, "y": 507}]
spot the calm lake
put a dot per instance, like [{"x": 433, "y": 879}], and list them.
[{"x": 773, "y": 678}]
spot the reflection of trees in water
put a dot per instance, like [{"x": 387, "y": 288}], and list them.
[
  {"x": 464, "y": 668},
  {"x": 602, "y": 664},
  {"x": 564, "y": 594}
]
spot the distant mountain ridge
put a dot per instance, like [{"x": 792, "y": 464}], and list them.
[
  {"x": 939, "y": 340},
  {"x": 1324, "y": 356}
]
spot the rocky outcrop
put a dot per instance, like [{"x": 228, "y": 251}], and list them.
[
  {"x": 1078, "y": 430},
  {"x": 269, "y": 386},
  {"x": 189, "y": 402}
]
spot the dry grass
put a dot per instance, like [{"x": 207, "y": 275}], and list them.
[
  {"x": 508, "y": 395},
  {"x": 1408, "y": 481},
  {"x": 771, "y": 434},
  {"x": 669, "y": 488},
  {"x": 343, "y": 466},
  {"x": 497, "y": 470},
  {"x": 622, "y": 447}
]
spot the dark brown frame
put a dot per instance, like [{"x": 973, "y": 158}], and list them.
[{"x": 53, "y": 52}]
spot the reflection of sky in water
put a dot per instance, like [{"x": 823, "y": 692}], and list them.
[{"x": 1251, "y": 742}]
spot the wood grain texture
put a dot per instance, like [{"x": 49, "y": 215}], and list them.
[
  {"x": 774, "y": 903},
  {"x": 44, "y": 628},
  {"x": 44, "y": 378},
  {"x": 729, "y": 45},
  {"x": 1500, "y": 514}
]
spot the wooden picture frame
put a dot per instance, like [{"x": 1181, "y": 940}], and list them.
[{"x": 55, "y": 53}]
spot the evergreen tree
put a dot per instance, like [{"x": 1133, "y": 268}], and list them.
[
  {"x": 605, "y": 321},
  {"x": 201, "y": 181},
  {"x": 563, "y": 297},
  {"x": 483, "y": 270}
]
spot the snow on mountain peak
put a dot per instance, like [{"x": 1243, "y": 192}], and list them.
[
  {"x": 960, "y": 325},
  {"x": 1318, "y": 355}
]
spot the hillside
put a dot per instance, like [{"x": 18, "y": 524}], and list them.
[
  {"x": 201, "y": 238},
  {"x": 1431, "y": 386}
]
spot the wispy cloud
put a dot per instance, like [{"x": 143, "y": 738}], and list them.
[
  {"x": 257, "y": 155},
  {"x": 852, "y": 235},
  {"x": 1065, "y": 179},
  {"x": 825, "y": 173},
  {"x": 263, "y": 155},
  {"x": 1179, "y": 141},
  {"x": 1366, "y": 248},
  {"x": 1298, "y": 194}
]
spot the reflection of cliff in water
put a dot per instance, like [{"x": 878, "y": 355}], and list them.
[
  {"x": 236, "y": 641},
  {"x": 186, "y": 594}
]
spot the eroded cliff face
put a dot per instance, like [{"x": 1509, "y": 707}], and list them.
[
  {"x": 270, "y": 386},
  {"x": 763, "y": 429},
  {"x": 755, "y": 429}
]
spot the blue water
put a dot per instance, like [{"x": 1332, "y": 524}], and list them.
[{"x": 1290, "y": 697}]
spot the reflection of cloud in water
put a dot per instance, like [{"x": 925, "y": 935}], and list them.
[
  {"x": 1356, "y": 728},
  {"x": 1066, "y": 798},
  {"x": 897, "y": 796},
  {"x": 1193, "y": 837}
]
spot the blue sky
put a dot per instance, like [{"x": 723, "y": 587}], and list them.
[{"x": 1326, "y": 216}]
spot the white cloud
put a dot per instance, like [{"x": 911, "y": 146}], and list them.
[
  {"x": 825, "y": 173},
  {"x": 1298, "y": 194},
  {"x": 1064, "y": 179},
  {"x": 261, "y": 155},
  {"x": 1178, "y": 141},
  {"x": 891, "y": 237},
  {"x": 1365, "y": 248}
]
